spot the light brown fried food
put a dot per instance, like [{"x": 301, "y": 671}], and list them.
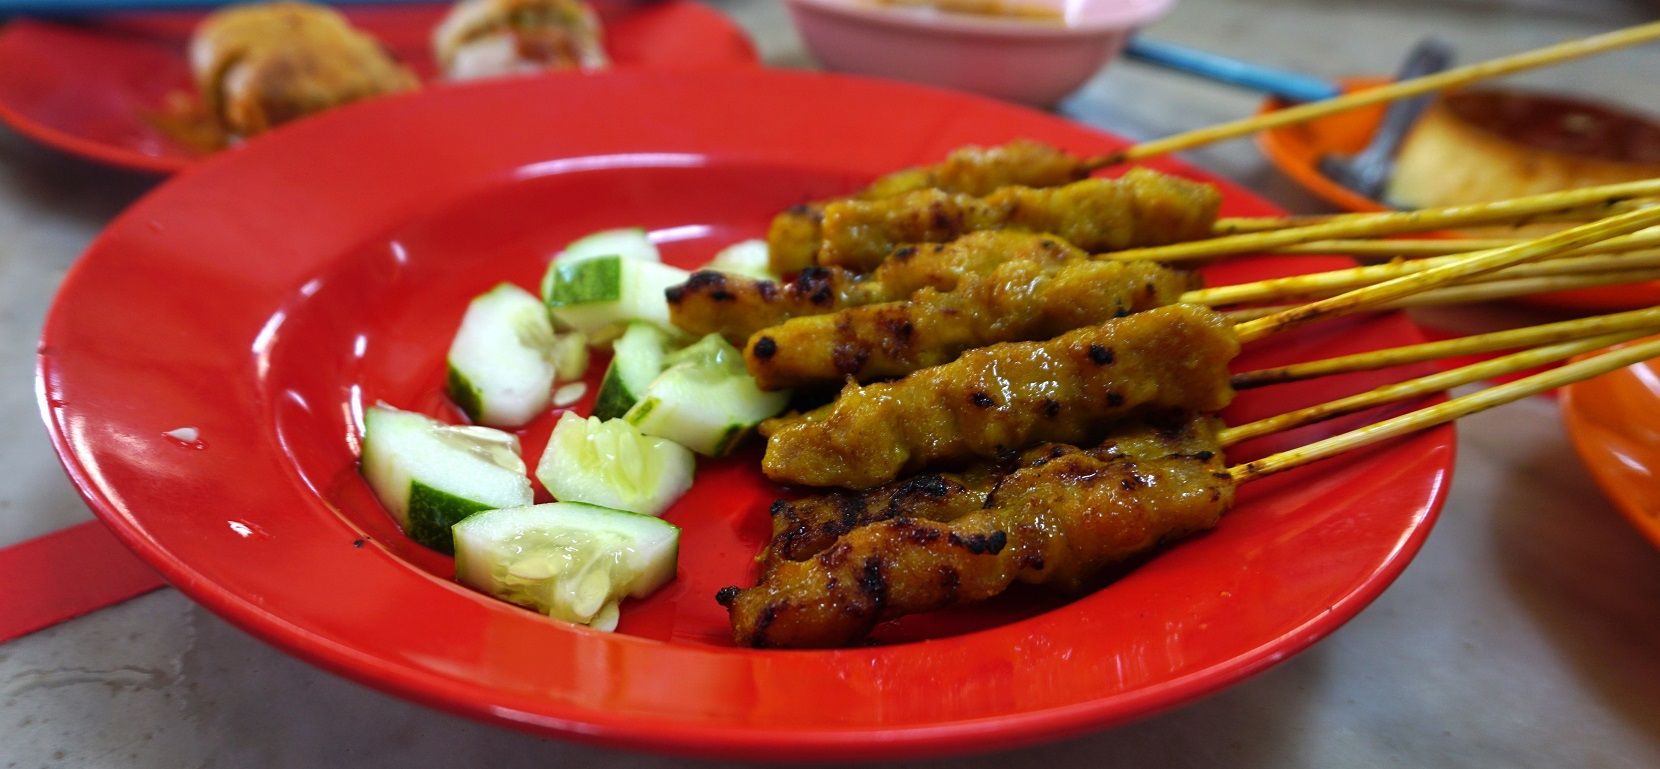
[
  {"x": 1016, "y": 302},
  {"x": 1007, "y": 397},
  {"x": 793, "y": 239},
  {"x": 1141, "y": 208},
  {"x": 1058, "y": 522},
  {"x": 485, "y": 38},
  {"x": 258, "y": 66},
  {"x": 736, "y": 306}
]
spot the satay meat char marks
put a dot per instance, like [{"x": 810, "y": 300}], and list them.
[
  {"x": 1007, "y": 397},
  {"x": 737, "y": 306},
  {"x": 1057, "y": 521},
  {"x": 1017, "y": 301}
]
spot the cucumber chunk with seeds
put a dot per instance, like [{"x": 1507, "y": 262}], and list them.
[
  {"x": 597, "y": 296},
  {"x": 747, "y": 258},
  {"x": 611, "y": 464},
  {"x": 430, "y": 475},
  {"x": 628, "y": 243},
  {"x": 501, "y": 364},
  {"x": 705, "y": 400},
  {"x": 570, "y": 356},
  {"x": 637, "y": 358},
  {"x": 571, "y": 561}
]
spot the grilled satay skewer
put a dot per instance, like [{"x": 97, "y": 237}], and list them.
[
  {"x": 736, "y": 306},
  {"x": 1056, "y": 522},
  {"x": 1006, "y": 397},
  {"x": 1021, "y": 302},
  {"x": 1013, "y": 395},
  {"x": 1017, "y": 301},
  {"x": 795, "y": 235},
  {"x": 804, "y": 527},
  {"x": 1141, "y": 208}
]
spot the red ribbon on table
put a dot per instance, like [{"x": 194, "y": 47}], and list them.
[{"x": 65, "y": 574}]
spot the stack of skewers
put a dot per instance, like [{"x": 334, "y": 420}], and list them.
[{"x": 1026, "y": 379}]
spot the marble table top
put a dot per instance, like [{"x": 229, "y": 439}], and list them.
[{"x": 1526, "y": 633}]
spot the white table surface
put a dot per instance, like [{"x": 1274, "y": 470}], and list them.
[{"x": 1526, "y": 634}]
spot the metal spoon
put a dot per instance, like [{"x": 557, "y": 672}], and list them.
[{"x": 1368, "y": 171}]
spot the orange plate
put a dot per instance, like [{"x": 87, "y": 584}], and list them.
[
  {"x": 1296, "y": 150},
  {"x": 1614, "y": 421}
]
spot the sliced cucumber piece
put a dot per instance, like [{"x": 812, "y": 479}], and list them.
[
  {"x": 598, "y": 295},
  {"x": 748, "y": 257},
  {"x": 628, "y": 243},
  {"x": 570, "y": 356},
  {"x": 501, "y": 364},
  {"x": 705, "y": 400},
  {"x": 571, "y": 561},
  {"x": 637, "y": 358},
  {"x": 611, "y": 464},
  {"x": 430, "y": 475}
]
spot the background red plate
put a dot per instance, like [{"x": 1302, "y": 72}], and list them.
[
  {"x": 1614, "y": 421},
  {"x": 265, "y": 296},
  {"x": 94, "y": 89}
]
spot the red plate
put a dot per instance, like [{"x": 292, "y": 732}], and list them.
[
  {"x": 98, "y": 90},
  {"x": 1614, "y": 421},
  {"x": 264, "y": 305}
]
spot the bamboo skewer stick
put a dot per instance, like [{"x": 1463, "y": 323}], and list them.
[
  {"x": 1365, "y": 225},
  {"x": 1429, "y": 247},
  {"x": 1239, "y": 225},
  {"x": 1319, "y": 284},
  {"x": 1548, "y": 333},
  {"x": 1458, "y": 76},
  {"x": 1442, "y": 413},
  {"x": 1425, "y": 385},
  {"x": 1477, "y": 292},
  {"x": 1472, "y": 266}
]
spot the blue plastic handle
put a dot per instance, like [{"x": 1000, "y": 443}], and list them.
[{"x": 1294, "y": 86}]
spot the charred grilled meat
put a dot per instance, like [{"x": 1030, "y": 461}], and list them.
[
  {"x": 736, "y": 307},
  {"x": 793, "y": 239},
  {"x": 1142, "y": 208},
  {"x": 1057, "y": 521},
  {"x": 1006, "y": 397},
  {"x": 1017, "y": 301}
]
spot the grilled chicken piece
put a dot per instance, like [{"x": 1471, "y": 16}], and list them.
[
  {"x": 1057, "y": 521},
  {"x": 793, "y": 240},
  {"x": 1007, "y": 397},
  {"x": 736, "y": 307},
  {"x": 258, "y": 66},
  {"x": 1016, "y": 302},
  {"x": 1142, "y": 208}
]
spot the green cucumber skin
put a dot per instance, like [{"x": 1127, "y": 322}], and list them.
[
  {"x": 433, "y": 512},
  {"x": 586, "y": 282},
  {"x": 614, "y": 399},
  {"x": 463, "y": 394}
]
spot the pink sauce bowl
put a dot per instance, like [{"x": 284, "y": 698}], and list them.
[{"x": 1026, "y": 60}]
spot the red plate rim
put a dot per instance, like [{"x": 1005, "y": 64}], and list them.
[{"x": 261, "y": 162}]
